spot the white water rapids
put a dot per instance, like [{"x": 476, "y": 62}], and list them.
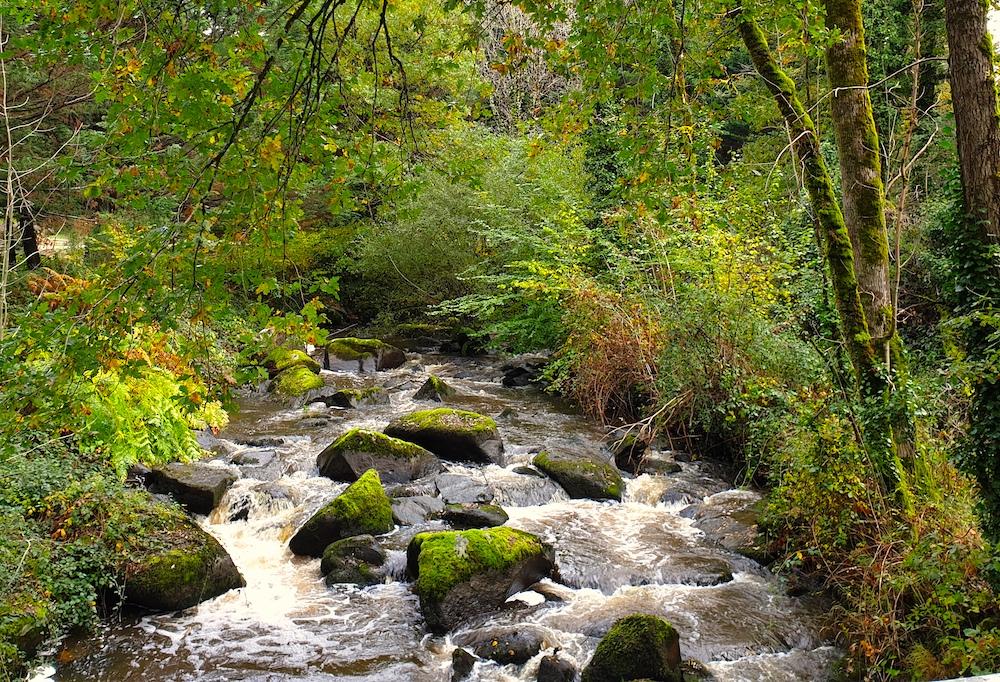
[{"x": 614, "y": 559}]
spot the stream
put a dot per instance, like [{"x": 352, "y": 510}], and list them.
[{"x": 614, "y": 559}]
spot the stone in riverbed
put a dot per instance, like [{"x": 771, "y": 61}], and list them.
[
  {"x": 353, "y": 560},
  {"x": 397, "y": 461},
  {"x": 409, "y": 511},
  {"x": 582, "y": 476},
  {"x": 295, "y": 382},
  {"x": 462, "y": 663},
  {"x": 434, "y": 389},
  {"x": 466, "y": 515},
  {"x": 198, "y": 486},
  {"x": 553, "y": 668},
  {"x": 463, "y": 574},
  {"x": 186, "y": 567},
  {"x": 280, "y": 359},
  {"x": 364, "y": 355},
  {"x": 637, "y": 647},
  {"x": 627, "y": 452},
  {"x": 361, "y": 509},
  {"x": 461, "y": 488},
  {"x": 505, "y": 645},
  {"x": 454, "y": 435},
  {"x": 352, "y": 398}
]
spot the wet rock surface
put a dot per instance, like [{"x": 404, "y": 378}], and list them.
[{"x": 198, "y": 486}]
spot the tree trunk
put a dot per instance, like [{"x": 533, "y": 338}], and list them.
[
  {"x": 29, "y": 240},
  {"x": 872, "y": 384},
  {"x": 974, "y": 101},
  {"x": 860, "y": 167}
]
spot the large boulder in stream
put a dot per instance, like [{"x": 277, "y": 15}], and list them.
[
  {"x": 396, "y": 461},
  {"x": 185, "y": 566},
  {"x": 454, "y": 435},
  {"x": 637, "y": 647},
  {"x": 463, "y": 574},
  {"x": 582, "y": 476},
  {"x": 296, "y": 381},
  {"x": 353, "y": 560},
  {"x": 364, "y": 355},
  {"x": 198, "y": 486},
  {"x": 280, "y": 359},
  {"x": 362, "y": 509}
]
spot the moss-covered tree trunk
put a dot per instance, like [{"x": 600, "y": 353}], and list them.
[
  {"x": 863, "y": 349},
  {"x": 974, "y": 101}
]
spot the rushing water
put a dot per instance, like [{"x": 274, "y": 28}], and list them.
[{"x": 614, "y": 559}]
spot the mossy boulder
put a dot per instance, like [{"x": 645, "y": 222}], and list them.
[
  {"x": 467, "y": 515},
  {"x": 24, "y": 627},
  {"x": 463, "y": 574},
  {"x": 637, "y": 647},
  {"x": 351, "y": 398},
  {"x": 362, "y": 509},
  {"x": 182, "y": 566},
  {"x": 197, "y": 486},
  {"x": 295, "y": 382},
  {"x": 582, "y": 476},
  {"x": 455, "y": 435},
  {"x": 434, "y": 389},
  {"x": 365, "y": 355},
  {"x": 280, "y": 359},
  {"x": 353, "y": 560},
  {"x": 396, "y": 461}
]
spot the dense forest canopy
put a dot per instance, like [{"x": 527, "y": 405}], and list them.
[{"x": 763, "y": 233}]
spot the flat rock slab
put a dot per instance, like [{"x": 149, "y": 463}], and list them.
[
  {"x": 197, "y": 486},
  {"x": 410, "y": 511},
  {"x": 463, "y": 516}
]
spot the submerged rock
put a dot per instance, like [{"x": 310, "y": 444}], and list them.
[
  {"x": 365, "y": 355},
  {"x": 361, "y": 509},
  {"x": 462, "y": 574},
  {"x": 455, "y": 435},
  {"x": 513, "y": 644},
  {"x": 295, "y": 382},
  {"x": 198, "y": 486},
  {"x": 188, "y": 566},
  {"x": 637, "y": 647},
  {"x": 553, "y": 668},
  {"x": 582, "y": 476},
  {"x": 353, "y": 560},
  {"x": 473, "y": 515},
  {"x": 396, "y": 461},
  {"x": 434, "y": 389}
]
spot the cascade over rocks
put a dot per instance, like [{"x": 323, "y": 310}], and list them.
[
  {"x": 197, "y": 486},
  {"x": 454, "y": 435},
  {"x": 637, "y": 647},
  {"x": 361, "y": 509},
  {"x": 463, "y": 574},
  {"x": 396, "y": 461},
  {"x": 188, "y": 566},
  {"x": 364, "y": 355},
  {"x": 466, "y": 515},
  {"x": 353, "y": 560},
  {"x": 581, "y": 475}
]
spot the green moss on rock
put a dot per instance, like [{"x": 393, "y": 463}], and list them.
[
  {"x": 457, "y": 435},
  {"x": 186, "y": 566},
  {"x": 582, "y": 476},
  {"x": 637, "y": 647},
  {"x": 350, "y": 348},
  {"x": 280, "y": 359},
  {"x": 363, "y": 508},
  {"x": 296, "y": 381},
  {"x": 397, "y": 461},
  {"x": 434, "y": 389}
]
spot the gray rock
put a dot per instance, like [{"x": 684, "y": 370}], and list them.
[
  {"x": 462, "y": 663},
  {"x": 456, "y": 488},
  {"x": 513, "y": 644},
  {"x": 473, "y": 515},
  {"x": 353, "y": 560},
  {"x": 582, "y": 475},
  {"x": 196, "y": 485},
  {"x": 552, "y": 668},
  {"x": 411, "y": 511}
]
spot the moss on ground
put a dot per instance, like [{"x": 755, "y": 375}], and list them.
[
  {"x": 448, "y": 558},
  {"x": 296, "y": 381}
]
